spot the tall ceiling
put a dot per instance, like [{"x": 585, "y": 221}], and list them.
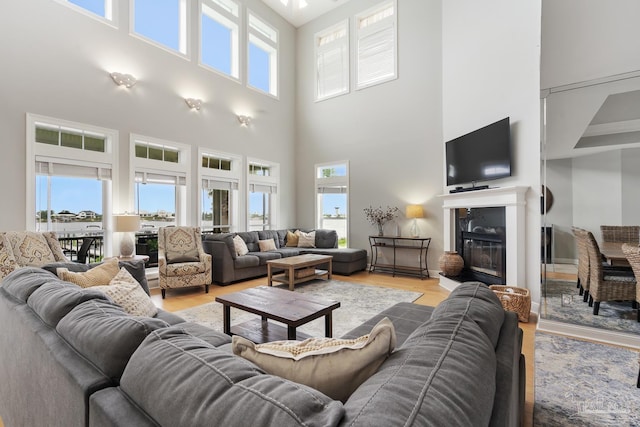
[{"x": 299, "y": 12}]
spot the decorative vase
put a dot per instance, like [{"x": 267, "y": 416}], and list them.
[
  {"x": 380, "y": 229},
  {"x": 451, "y": 263}
]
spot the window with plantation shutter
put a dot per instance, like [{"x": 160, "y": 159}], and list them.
[
  {"x": 263, "y": 180},
  {"x": 332, "y": 199},
  {"x": 161, "y": 176},
  {"x": 220, "y": 175},
  {"x": 332, "y": 61},
  {"x": 376, "y": 45}
]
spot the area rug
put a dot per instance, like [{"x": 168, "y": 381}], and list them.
[
  {"x": 580, "y": 383},
  {"x": 358, "y": 303},
  {"x": 562, "y": 303}
]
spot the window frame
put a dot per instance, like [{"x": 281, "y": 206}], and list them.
[
  {"x": 159, "y": 167},
  {"x": 393, "y": 23},
  {"x": 319, "y": 49},
  {"x": 334, "y": 181},
  {"x": 184, "y": 33},
  {"x": 110, "y": 11},
  {"x": 231, "y": 20},
  {"x": 57, "y": 154},
  {"x": 272, "y": 181},
  {"x": 233, "y": 176},
  {"x": 267, "y": 44}
]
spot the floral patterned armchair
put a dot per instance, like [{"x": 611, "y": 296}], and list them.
[
  {"x": 182, "y": 262},
  {"x": 28, "y": 249}
]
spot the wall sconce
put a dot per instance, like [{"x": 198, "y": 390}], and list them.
[
  {"x": 244, "y": 120},
  {"x": 194, "y": 103},
  {"x": 126, "y": 80},
  {"x": 414, "y": 211}
]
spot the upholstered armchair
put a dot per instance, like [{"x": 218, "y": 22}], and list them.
[
  {"x": 28, "y": 249},
  {"x": 181, "y": 260}
]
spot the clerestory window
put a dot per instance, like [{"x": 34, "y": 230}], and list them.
[
  {"x": 219, "y": 36},
  {"x": 332, "y": 61},
  {"x": 262, "y": 61},
  {"x": 376, "y": 50},
  {"x": 161, "y": 22}
]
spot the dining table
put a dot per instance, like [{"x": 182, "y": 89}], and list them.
[{"x": 612, "y": 252}]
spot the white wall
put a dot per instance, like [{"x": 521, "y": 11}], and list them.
[
  {"x": 588, "y": 39},
  {"x": 391, "y": 133},
  {"x": 55, "y": 62},
  {"x": 491, "y": 69}
]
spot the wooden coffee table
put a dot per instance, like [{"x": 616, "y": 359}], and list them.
[
  {"x": 280, "y": 305},
  {"x": 299, "y": 269}
]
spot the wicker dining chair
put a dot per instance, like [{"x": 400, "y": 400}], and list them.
[
  {"x": 632, "y": 252},
  {"x": 603, "y": 286},
  {"x": 583, "y": 262},
  {"x": 621, "y": 233}
]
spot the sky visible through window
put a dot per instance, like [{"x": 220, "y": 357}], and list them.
[
  {"x": 216, "y": 45},
  {"x": 95, "y": 6},
  {"x": 157, "y": 20}
]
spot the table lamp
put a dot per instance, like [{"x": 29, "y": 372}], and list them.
[
  {"x": 414, "y": 211},
  {"x": 126, "y": 224}
]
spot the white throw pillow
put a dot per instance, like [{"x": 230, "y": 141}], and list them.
[
  {"x": 306, "y": 240},
  {"x": 267, "y": 245},
  {"x": 336, "y": 367},
  {"x": 125, "y": 291},
  {"x": 240, "y": 245}
]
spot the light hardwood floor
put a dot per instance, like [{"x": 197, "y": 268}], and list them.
[{"x": 430, "y": 288}]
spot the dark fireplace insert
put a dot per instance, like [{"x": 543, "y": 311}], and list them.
[{"x": 480, "y": 240}]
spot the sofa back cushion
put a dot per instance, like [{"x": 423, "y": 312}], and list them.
[
  {"x": 326, "y": 239},
  {"x": 54, "y": 300},
  {"x": 105, "y": 334},
  {"x": 251, "y": 240},
  {"x": 444, "y": 374},
  {"x": 171, "y": 362},
  {"x": 479, "y": 303}
]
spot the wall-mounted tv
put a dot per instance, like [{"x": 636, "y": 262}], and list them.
[{"x": 481, "y": 155}]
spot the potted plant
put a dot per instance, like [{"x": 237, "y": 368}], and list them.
[{"x": 378, "y": 216}]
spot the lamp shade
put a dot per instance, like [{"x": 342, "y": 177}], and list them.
[
  {"x": 414, "y": 211},
  {"x": 126, "y": 223}
]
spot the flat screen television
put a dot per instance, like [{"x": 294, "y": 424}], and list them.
[{"x": 481, "y": 155}]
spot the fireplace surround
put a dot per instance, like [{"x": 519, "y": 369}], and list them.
[{"x": 513, "y": 202}]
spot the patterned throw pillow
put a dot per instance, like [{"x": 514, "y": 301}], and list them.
[
  {"x": 125, "y": 291},
  {"x": 306, "y": 240},
  {"x": 335, "y": 367},
  {"x": 7, "y": 261},
  {"x": 97, "y": 276},
  {"x": 54, "y": 245},
  {"x": 240, "y": 245},
  {"x": 292, "y": 239},
  {"x": 180, "y": 245},
  {"x": 267, "y": 245},
  {"x": 29, "y": 248}
]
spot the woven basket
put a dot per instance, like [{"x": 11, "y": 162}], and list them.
[
  {"x": 302, "y": 272},
  {"x": 514, "y": 299}
]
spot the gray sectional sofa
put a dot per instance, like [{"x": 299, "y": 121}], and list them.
[
  {"x": 72, "y": 357},
  {"x": 229, "y": 267}
]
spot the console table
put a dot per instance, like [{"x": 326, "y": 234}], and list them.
[{"x": 419, "y": 244}]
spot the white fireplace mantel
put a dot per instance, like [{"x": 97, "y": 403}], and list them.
[{"x": 514, "y": 201}]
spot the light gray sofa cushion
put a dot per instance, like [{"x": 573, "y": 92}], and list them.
[
  {"x": 444, "y": 374},
  {"x": 52, "y": 301},
  {"x": 481, "y": 305},
  {"x": 105, "y": 334},
  {"x": 21, "y": 283},
  {"x": 266, "y": 256},
  {"x": 171, "y": 362}
]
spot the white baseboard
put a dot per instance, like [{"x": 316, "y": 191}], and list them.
[{"x": 589, "y": 334}]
